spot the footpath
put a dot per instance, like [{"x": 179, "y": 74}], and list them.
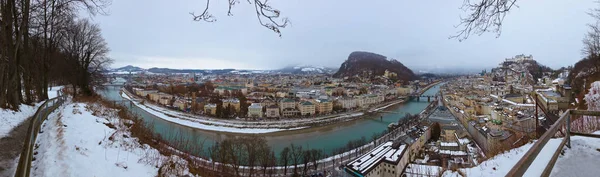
[{"x": 12, "y": 146}]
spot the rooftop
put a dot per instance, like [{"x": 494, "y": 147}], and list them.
[
  {"x": 255, "y": 105},
  {"x": 384, "y": 152},
  {"x": 287, "y": 100},
  {"x": 306, "y": 103}
]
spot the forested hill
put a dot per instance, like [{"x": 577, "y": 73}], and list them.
[{"x": 367, "y": 64}]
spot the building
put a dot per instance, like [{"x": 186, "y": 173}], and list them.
[
  {"x": 306, "y": 108},
  {"x": 234, "y": 102},
  {"x": 142, "y": 92},
  {"x": 404, "y": 90},
  {"x": 165, "y": 100},
  {"x": 389, "y": 74},
  {"x": 386, "y": 160},
  {"x": 323, "y": 106},
  {"x": 255, "y": 110},
  {"x": 267, "y": 103},
  {"x": 289, "y": 112},
  {"x": 272, "y": 111},
  {"x": 210, "y": 109},
  {"x": 286, "y": 103},
  {"x": 157, "y": 97},
  {"x": 221, "y": 89},
  {"x": 180, "y": 104},
  {"x": 369, "y": 99},
  {"x": 347, "y": 103}
]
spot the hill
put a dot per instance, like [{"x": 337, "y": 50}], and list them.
[
  {"x": 524, "y": 66},
  {"x": 127, "y": 69},
  {"x": 307, "y": 70},
  {"x": 369, "y": 65}
]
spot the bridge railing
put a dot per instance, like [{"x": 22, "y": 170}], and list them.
[
  {"x": 24, "y": 165},
  {"x": 565, "y": 120}
]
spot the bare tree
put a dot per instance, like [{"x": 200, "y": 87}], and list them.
[
  {"x": 267, "y": 16},
  {"x": 296, "y": 154},
  {"x": 85, "y": 46},
  {"x": 284, "y": 158},
  {"x": 483, "y": 16},
  {"x": 591, "y": 41},
  {"x": 316, "y": 155},
  {"x": 255, "y": 147},
  {"x": 266, "y": 157},
  {"x": 30, "y": 31}
]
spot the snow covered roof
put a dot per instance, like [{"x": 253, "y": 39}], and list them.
[
  {"x": 384, "y": 152},
  {"x": 255, "y": 106},
  {"x": 449, "y": 152},
  {"x": 448, "y": 144},
  {"x": 421, "y": 170}
]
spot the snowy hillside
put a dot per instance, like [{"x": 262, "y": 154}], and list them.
[
  {"x": 75, "y": 141},
  {"x": 307, "y": 69}
]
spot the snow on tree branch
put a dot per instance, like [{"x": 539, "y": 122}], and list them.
[{"x": 592, "y": 98}]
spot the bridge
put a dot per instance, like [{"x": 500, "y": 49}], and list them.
[
  {"x": 391, "y": 112},
  {"x": 419, "y": 96}
]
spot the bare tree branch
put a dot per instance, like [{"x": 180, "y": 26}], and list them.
[
  {"x": 591, "y": 40},
  {"x": 205, "y": 16},
  {"x": 267, "y": 16},
  {"x": 483, "y": 16}
]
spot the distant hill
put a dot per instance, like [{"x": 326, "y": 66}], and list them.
[
  {"x": 531, "y": 69},
  {"x": 307, "y": 69},
  {"x": 125, "y": 70},
  {"x": 289, "y": 70},
  {"x": 128, "y": 68},
  {"x": 369, "y": 65},
  {"x": 203, "y": 71}
]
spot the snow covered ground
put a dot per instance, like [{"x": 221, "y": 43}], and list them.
[
  {"x": 10, "y": 119},
  {"x": 513, "y": 103},
  {"x": 581, "y": 160},
  {"x": 501, "y": 164},
  {"x": 75, "y": 141}
]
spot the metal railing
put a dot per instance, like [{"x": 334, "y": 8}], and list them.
[
  {"x": 24, "y": 165},
  {"x": 525, "y": 162}
]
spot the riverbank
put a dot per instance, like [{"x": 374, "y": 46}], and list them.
[
  {"x": 242, "y": 126},
  {"x": 428, "y": 87}
]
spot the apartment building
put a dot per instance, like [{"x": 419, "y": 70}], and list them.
[
  {"x": 272, "y": 111},
  {"x": 210, "y": 109},
  {"x": 323, "y": 106},
  {"x": 234, "y": 102},
  {"x": 255, "y": 110},
  {"x": 306, "y": 108}
]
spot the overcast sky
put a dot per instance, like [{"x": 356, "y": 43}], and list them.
[{"x": 159, "y": 33}]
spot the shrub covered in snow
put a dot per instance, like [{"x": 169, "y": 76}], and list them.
[
  {"x": 592, "y": 98},
  {"x": 589, "y": 123}
]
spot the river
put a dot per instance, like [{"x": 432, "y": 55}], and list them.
[{"x": 326, "y": 138}]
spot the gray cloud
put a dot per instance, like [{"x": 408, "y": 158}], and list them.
[{"x": 151, "y": 33}]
